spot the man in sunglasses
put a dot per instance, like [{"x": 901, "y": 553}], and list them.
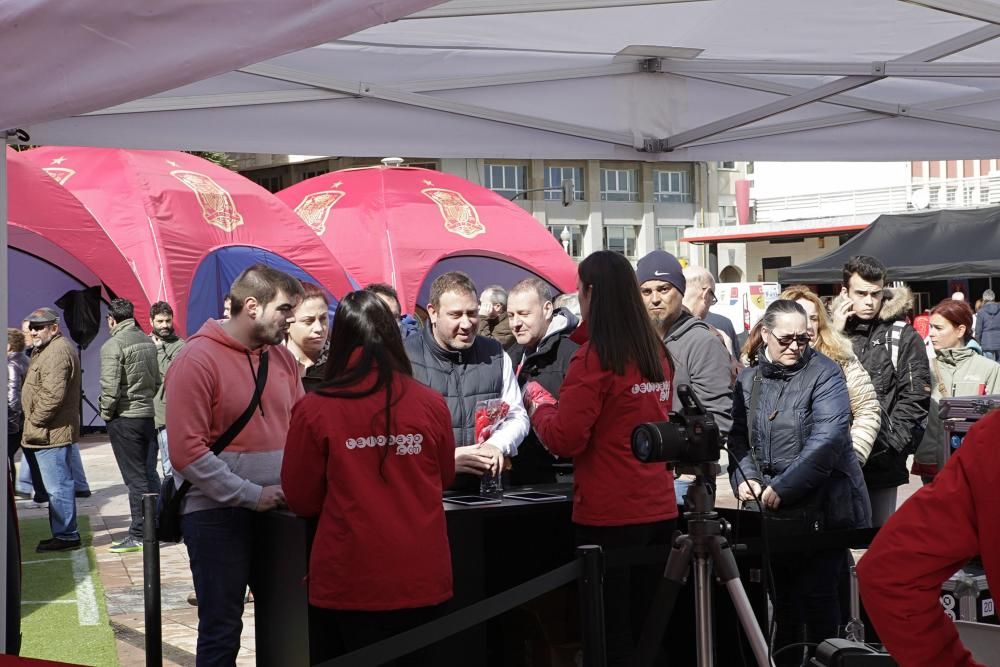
[
  {"x": 872, "y": 316},
  {"x": 50, "y": 399}
]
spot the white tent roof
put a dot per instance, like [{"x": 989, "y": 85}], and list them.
[{"x": 628, "y": 79}]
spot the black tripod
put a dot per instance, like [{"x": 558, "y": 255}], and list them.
[
  {"x": 83, "y": 395},
  {"x": 705, "y": 544}
]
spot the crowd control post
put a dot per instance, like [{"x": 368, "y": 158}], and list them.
[
  {"x": 151, "y": 581},
  {"x": 592, "y": 605}
]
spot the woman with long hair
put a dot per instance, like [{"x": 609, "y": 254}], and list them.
[
  {"x": 956, "y": 370},
  {"x": 617, "y": 380},
  {"x": 790, "y": 451},
  {"x": 866, "y": 413},
  {"x": 308, "y": 335},
  {"x": 369, "y": 453}
]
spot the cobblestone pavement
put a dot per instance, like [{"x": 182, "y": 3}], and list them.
[{"x": 122, "y": 574}]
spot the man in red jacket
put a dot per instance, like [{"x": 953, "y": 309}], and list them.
[{"x": 927, "y": 540}]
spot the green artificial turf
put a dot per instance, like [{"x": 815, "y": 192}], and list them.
[{"x": 53, "y": 630}]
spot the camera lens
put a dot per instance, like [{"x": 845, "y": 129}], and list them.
[{"x": 641, "y": 444}]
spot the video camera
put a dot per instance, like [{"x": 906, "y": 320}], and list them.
[{"x": 691, "y": 437}]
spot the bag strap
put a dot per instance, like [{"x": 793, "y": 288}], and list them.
[
  {"x": 754, "y": 402},
  {"x": 241, "y": 421},
  {"x": 941, "y": 387}
]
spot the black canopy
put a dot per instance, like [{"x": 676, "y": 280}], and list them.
[{"x": 934, "y": 245}]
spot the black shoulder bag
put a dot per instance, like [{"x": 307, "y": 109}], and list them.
[
  {"x": 805, "y": 516},
  {"x": 168, "y": 519}
]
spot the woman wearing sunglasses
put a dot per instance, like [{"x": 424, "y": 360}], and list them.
[{"x": 791, "y": 451}]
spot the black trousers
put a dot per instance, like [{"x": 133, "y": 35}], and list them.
[
  {"x": 335, "y": 632},
  {"x": 628, "y": 591},
  {"x": 806, "y": 600},
  {"x": 133, "y": 441}
]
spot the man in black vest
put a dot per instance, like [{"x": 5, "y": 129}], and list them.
[
  {"x": 465, "y": 368},
  {"x": 542, "y": 354}
]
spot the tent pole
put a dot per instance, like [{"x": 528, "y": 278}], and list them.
[{"x": 4, "y": 499}]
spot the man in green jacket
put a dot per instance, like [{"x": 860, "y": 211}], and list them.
[
  {"x": 130, "y": 376},
  {"x": 168, "y": 345}
]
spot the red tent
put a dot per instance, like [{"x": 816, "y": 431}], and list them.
[
  {"x": 393, "y": 224},
  {"x": 47, "y": 222},
  {"x": 169, "y": 211}
]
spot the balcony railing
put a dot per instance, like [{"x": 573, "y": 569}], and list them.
[{"x": 953, "y": 193}]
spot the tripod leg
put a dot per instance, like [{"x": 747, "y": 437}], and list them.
[
  {"x": 662, "y": 606},
  {"x": 729, "y": 574},
  {"x": 704, "y": 631}
]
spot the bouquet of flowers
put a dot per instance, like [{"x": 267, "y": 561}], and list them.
[{"x": 489, "y": 415}]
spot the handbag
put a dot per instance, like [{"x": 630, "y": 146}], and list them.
[
  {"x": 168, "y": 514},
  {"x": 807, "y": 515}
]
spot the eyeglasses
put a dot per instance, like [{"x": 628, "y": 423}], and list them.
[
  {"x": 785, "y": 341},
  {"x": 710, "y": 298}
]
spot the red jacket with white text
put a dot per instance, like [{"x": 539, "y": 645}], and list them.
[
  {"x": 593, "y": 423},
  {"x": 381, "y": 542},
  {"x": 927, "y": 540}
]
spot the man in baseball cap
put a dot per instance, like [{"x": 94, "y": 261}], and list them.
[{"x": 700, "y": 359}]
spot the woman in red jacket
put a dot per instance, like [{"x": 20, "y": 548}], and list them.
[
  {"x": 617, "y": 380},
  {"x": 369, "y": 454}
]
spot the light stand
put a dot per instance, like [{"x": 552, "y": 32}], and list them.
[
  {"x": 705, "y": 544},
  {"x": 83, "y": 395}
]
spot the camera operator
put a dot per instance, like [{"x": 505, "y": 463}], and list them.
[
  {"x": 933, "y": 534},
  {"x": 617, "y": 380},
  {"x": 791, "y": 449}
]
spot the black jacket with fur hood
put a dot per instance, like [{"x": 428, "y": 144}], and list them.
[{"x": 904, "y": 391}]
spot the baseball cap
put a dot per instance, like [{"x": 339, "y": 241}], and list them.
[
  {"x": 661, "y": 265},
  {"x": 43, "y": 316}
]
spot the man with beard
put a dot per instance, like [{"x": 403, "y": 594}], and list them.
[
  {"x": 542, "y": 355},
  {"x": 465, "y": 368},
  {"x": 209, "y": 385},
  {"x": 128, "y": 383},
  {"x": 700, "y": 358},
  {"x": 168, "y": 344}
]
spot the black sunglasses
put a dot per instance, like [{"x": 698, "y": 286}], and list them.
[{"x": 785, "y": 341}]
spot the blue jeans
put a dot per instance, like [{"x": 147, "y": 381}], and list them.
[
  {"x": 80, "y": 483},
  {"x": 55, "y": 464},
  {"x": 161, "y": 439},
  {"x": 220, "y": 544}
]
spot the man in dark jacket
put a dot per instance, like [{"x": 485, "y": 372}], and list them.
[
  {"x": 988, "y": 326},
  {"x": 894, "y": 355},
  {"x": 493, "y": 320},
  {"x": 465, "y": 368},
  {"x": 130, "y": 376},
  {"x": 542, "y": 354},
  {"x": 700, "y": 359},
  {"x": 168, "y": 345}
]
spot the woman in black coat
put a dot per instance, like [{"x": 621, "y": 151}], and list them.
[{"x": 798, "y": 460}]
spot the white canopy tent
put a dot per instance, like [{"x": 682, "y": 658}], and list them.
[
  {"x": 572, "y": 79},
  {"x": 611, "y": 79}
]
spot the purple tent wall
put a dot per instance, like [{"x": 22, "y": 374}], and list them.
[
  {"x": 36, "y": 284},
  {"x": 483, "y": 271}
]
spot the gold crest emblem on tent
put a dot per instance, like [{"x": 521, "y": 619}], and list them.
[
  {"x": 315, "y": 207},
  {"x": 59, "y": 174},
  {"x": 217, "y": 205},
  {"x": 460, "y": 217}
]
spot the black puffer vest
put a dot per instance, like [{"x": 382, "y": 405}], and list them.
[{"x": 463, "y": 377}]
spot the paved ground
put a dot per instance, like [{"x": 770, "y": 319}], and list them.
[{"x": 122, "y": 574}]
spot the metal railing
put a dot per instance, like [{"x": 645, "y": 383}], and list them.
[{"x": 974, "y": 192}]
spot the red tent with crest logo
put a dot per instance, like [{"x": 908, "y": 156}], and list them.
[{"x": 395, "y": 224}]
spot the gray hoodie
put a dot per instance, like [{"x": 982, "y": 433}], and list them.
[{"x": 702, "y": 361}]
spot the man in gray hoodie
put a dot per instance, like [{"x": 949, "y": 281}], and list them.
[{"x": 700, "y": 359}]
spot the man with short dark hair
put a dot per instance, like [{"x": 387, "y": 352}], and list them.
[
  {"x": 493, "y": 316},
  {"x": 408, "y": 324},
  {"x": 129, "y": 377},
  {"x": 465, "y": 368},
  {"x": 872, "y": 316},
  {"x": 50, "y": 399},
  {"x": 208, "y": 386},
  {"x": 168, "y": 345},
  {"x": 542, "y": 355}
]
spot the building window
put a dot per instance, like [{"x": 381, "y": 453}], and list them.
[
  {"x": 621, "y": 239},
  {"x": 672, "y": 186},
  {"x": 727, "y": 166},
  {"x": 668, "y": 238},
  {"x": 619, "y": 185},
  {"x": 575, "y": 238},
  {"x": 313, "y": 174},
  {"x": 554, "y": 177},
  {"x": 506, "y": 179},
  {"x": 269, "y": 183},
  {"x": 727, "y": 215}
]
